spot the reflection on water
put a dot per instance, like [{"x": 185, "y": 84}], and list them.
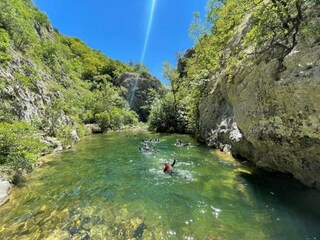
[{"x": 105, "y": 188}]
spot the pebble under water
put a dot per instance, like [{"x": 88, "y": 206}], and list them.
[{"x": 105, "y": 188}]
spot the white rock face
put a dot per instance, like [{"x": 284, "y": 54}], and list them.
[
  {"x": 5, "y": 188},
  {"x": 274, "y": 122}
]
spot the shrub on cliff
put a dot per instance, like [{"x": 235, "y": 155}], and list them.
[
  {"x": 4, "y": 45},
  {"x": 19, "y": 145}
]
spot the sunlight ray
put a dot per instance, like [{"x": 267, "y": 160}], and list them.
[{"x": 149, "y": 28}]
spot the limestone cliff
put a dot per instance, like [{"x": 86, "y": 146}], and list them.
[
  {"x": 268, "y": 115},
  {"x": 272, "y": 120}
]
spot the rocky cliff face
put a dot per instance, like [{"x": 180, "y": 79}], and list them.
[
  {"x": 138, "y": 87},
  {"x": 30, "y": 101},
  {"x": 272, "y": 120},
  {"x": 22, "y": 100}
]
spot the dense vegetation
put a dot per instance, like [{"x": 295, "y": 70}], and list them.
[
  {"x": 78, "y": 81},
  {"x": 235, "y": 33}
]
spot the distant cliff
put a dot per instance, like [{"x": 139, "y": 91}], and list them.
[{"x": 138, "y": 93}]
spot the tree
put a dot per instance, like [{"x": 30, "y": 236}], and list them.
[
  {"x": 170, "y": 73},
  {"x": 197, "y": 29}
]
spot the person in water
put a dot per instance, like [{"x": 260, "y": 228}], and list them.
[
  {"x": 146, "y": 147},
  {"x": 167, "y": 168}
]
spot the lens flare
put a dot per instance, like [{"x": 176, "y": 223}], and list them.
[
  {"x": 151, "y": 16},
  {"x": 146, "y": 41}
]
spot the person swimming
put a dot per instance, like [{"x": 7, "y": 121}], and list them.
[
  {"x": 146, "y": 147},
  {"x": 167, "y": 168}
]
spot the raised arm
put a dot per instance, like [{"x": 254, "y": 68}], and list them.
[{"x": 174, "y": 162}]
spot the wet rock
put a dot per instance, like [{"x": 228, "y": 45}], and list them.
[
  {"x": 139, "y": 231},
  {"x": 93, "y": 129}
]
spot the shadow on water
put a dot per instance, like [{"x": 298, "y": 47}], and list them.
[{"x": 283, "y": 194}]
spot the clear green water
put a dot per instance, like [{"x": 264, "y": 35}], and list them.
[{"x": 105, "y": 188}]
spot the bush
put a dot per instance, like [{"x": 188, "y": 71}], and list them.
[
  {"x": 63, "y": 133},
  {"x": 4, "y": 45},
  {"x": 19, "y": 145},
  {"x": 165, "y": 117},
  {"x": 25, "y": 80}
]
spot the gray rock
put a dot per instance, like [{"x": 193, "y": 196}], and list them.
[
  {"x": 93, "y": 129},
  {"x": 138, "y": 86},
  {"x": 53, "y": 143},
  {"x": 271, "y": 121},
  {"x": 5, "y": 188},
  {"x": 75, "y": 135}
]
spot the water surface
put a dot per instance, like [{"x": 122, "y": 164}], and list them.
[{"x": 105, "y": 188}]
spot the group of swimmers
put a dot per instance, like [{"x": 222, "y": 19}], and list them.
[
  {"x": 155, "y": 140},
  {"x": 147, "y": 148},
  {"x": 167, "y": 168}
]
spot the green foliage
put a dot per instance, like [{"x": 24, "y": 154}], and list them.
[
  {"x": 63, "y": 133},
  {"x": 17, "y": 18},
  {"x": 4, "y": 45},
  {"x": 108, "y": 109},
  {"x": 41, "y": 19},
  {"x": 19, "y": 145},
  {"x": 165, "y": 117},
  {"x": 241, "y": 28},
  {"x": 24, "y": 80},
  {"x": 138, "y": 67},
  {"x": 169, "y": 112},
  {"x": 198, "y": 29}
]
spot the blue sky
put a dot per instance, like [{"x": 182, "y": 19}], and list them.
[{"x": 118, "y": 27}]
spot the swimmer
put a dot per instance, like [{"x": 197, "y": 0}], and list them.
[
  {"x": 146, "y": 147},
  {"x": 167, "y": 168}
]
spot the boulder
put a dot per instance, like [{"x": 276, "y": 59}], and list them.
[{"x": 5, "y": 188}]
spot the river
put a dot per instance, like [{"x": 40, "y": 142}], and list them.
[{"x": 105, "y": 188}]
